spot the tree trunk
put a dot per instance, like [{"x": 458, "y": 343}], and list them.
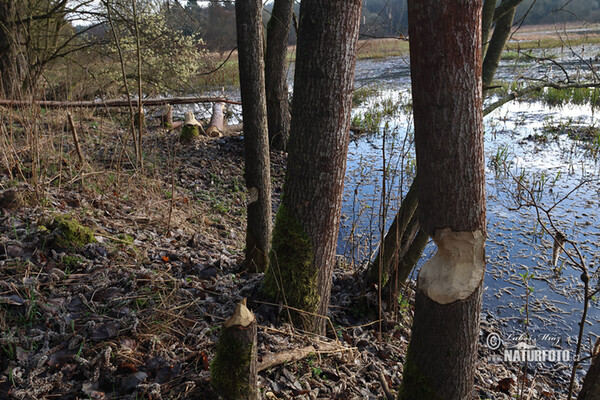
[
  {"x": 234, "y": 370},
  {"x": 13, "y": 64},
  {"x": 256, "y": 141},
  {"x": 217, "y": 121},
  {"x": 278, "y": 31},
  {"x": 489, "y": 6},
  {"x": 393, "y": 240},
  {"x": 307, "y": 223},
  {"x": 445, "y": 53},
  {"x": 496, "y": 46}
]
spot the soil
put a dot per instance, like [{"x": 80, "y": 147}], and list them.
[{"x": 136, "y": 311}]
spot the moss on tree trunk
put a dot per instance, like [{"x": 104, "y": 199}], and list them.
[
  {"x": 189, "y": 133},
  {"x": 291, "y": 262}
]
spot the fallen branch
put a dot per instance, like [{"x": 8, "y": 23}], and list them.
[
  {"x": 114, "y": 103},
  {"x": 271, "y": 360}
]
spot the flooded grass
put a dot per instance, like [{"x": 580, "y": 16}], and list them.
[{"x": 382, "y": 48}]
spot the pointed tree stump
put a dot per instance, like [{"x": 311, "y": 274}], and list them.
[
  {"x": 166, "y": 117},
  {"x": 191, "y": 128},
  {"x": 234, "y": 369}
]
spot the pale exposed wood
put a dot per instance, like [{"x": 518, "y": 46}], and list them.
[
  {"x": 190, "y": 119},
  {"x": 217, "y": 121},
  {"x": 114, "y": 103},
  {"x": 241, "y": 317},
  {"x": 271, "y": 360}
]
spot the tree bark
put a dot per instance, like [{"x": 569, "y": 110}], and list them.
[
  {"x": 307, "y": 223},
  {"x": 487, "y": 17},
  {"x": 278, "y": 31},
  {"x": 445, "y": 53},
  {"x": 13, "y": 64},
  {"x": 591, "y": 383},
  {"x": 393, "y": 239},
  {"x": 256, "y": 141},
  {"x": 496, "y": 46}
]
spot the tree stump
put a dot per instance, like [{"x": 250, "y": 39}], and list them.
[
  {"x": 234, "y": 369},
  {"x": 217, "y": 121},
  {"x": 191, "y": 128},
  {"x": 166, "y": 117}
]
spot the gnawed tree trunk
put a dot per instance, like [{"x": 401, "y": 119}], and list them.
[
  {"x": 490, "y": 14},
  {"x": 233, "y": 372},
  {"x": 307, "y": 223},
  {"x": 191, "y": 128},
  {"x": 166, "y": 117},
  {"x": 13, "y": 64},
  {"x": 445, "y": 54},
  {"x": 256, "y": 140},
  {"x": 278, "y": 31},
  {"x": 217, "y": 121}
]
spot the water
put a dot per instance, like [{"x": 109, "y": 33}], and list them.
[{"x": 517, "y": 243}]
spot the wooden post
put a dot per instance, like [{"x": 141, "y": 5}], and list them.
[
  {"x": 234, "y": 369},
  {"x": 217, "y": 121}
]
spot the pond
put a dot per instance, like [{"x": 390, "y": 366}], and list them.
[{"x": 529, "y": 155}]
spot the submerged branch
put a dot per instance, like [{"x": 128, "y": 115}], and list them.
[{"x": 535, "y": 88}]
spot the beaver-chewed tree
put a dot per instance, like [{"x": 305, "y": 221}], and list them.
[
  {"x": 256, "y": 140},
  {"x": 234, "y": 369},
  {"x": 306, "y": 226},
  {"x": 445, "y": 57}
]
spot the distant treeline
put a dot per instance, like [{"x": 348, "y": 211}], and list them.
[{"x": 215, "y": 23}]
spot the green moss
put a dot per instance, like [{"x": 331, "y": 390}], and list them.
[
  {"x": 70, "y": 233},
  {"x": 291, "y": 264},
  {"x": 415, "y": 384},
  {"x": 229, "y": 369},
  {"x": 189, "y": 133}
]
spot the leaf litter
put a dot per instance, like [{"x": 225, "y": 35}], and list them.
[{"x": 136, "y": 313}]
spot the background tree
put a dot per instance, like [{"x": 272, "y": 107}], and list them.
[
  {"x": 307, "y": 223},
  {"x": 33, "y": 34},
  {"x": 278, "y": 31},
  {"x": 445, "y": 54},
  {"x": 13, "y": 64},
  {"x": 256, "y": 141}
]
